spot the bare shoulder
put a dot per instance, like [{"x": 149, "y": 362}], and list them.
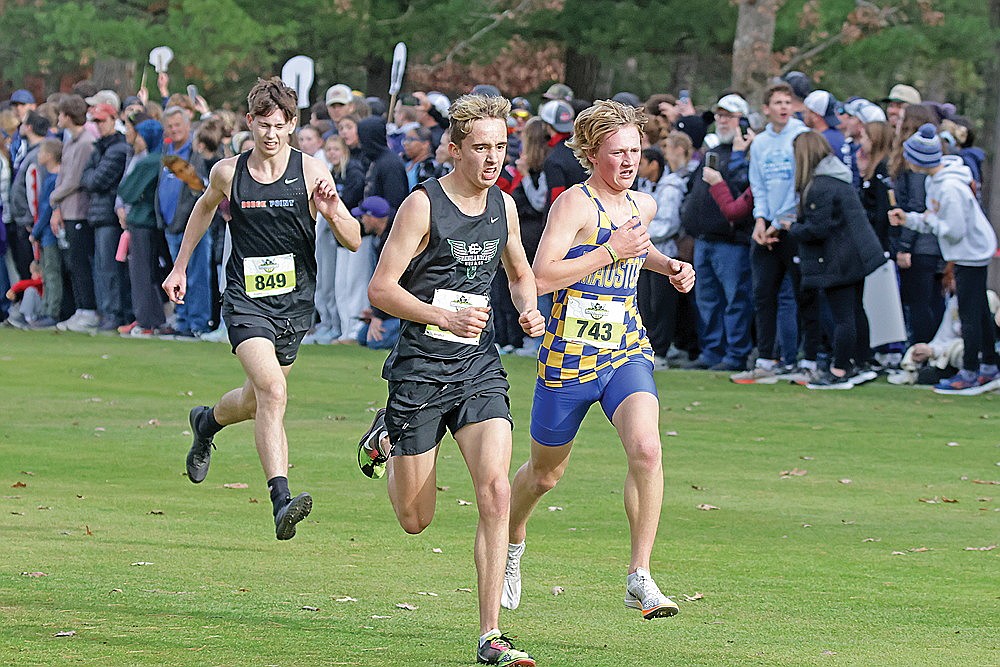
[
  {"x": 222, "y": 172},
  {"x": 572, "y": 207},
  {"x": 646, "y": 204},
  {"x": 416, "y": 205},
  {"x": 313, "y": 168}
]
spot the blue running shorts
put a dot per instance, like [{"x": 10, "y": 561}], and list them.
[{"x": 557, "y": 412}]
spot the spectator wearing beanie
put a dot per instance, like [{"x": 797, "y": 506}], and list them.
[{"x": 968, "y": 240}]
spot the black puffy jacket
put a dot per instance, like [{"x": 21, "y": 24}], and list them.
[
  {"x": 837, "y": 245},
  {"x": 101, "y": 177}
]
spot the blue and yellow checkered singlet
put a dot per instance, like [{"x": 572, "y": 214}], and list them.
[{"x": 595, "y": 322}]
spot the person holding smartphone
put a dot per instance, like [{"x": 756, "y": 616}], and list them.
[{"x": 721, "y": 249}]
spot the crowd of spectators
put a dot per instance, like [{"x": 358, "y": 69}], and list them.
[{"x": 785, "y": 213}]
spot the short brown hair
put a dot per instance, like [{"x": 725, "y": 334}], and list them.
[
  {"x": 209, "y": 133},
  {"x": 75, "y": 107},
  {"x": 780, "y": 87},
  {"x": 593, "y": 125},
  {"x": 467, "y": 109},
  {"x": 270, "y": 95},
  {"x": 53, "y": 147}
]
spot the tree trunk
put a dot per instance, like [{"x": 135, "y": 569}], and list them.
[
  {"x": 753, "y": 46},
  {"x": 992, "y": 189},
  {"x": 583, "y": 73},
  {"x": 117, "y": 75}
]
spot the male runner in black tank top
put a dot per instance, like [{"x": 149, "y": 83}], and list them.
[
  {"x": 434, "y": 273},
  {"x": 275, "y": 193}
]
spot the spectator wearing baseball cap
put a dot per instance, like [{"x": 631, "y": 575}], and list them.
[
  {"x": 561, "y": 168},
  {"x": 380, "y": 329},
  {"x": 801, "y": 87},
  {"x": 900, "y": 97},
  {"x": 558, "y": 91},
  {"x": 338, "y": 101},
  {"x": 821, "y": 116},
  {"x": 22, "y": 103},
  {"x": 105, "y": 97}
]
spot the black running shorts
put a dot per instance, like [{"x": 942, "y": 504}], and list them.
[
  {"x": 418, "y": 413},
  {"x": 285, "y": 339}
]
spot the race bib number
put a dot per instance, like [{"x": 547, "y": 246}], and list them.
[
  {"x": 269, "y": 276},
  {"x": 595, "y": 323},
  {"x": 455, "y": 301}
]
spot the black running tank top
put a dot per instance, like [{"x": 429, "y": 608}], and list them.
[
  {"x": 462, "y": 256},
  {"x": 272, "y": 268}
]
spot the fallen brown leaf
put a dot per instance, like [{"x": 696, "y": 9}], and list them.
[
  {"x": 846, "y": 481},
  {"x": 555, "y": 508},
  {"x": 254, "y": 501},
  {"x": 427, "y": 593},
  {"x": 18, "y": 485},
  {"x": 407, "y": 606},
  {"x": 156, "y": 512},
  {"x": 692, "y": 598},
  {"x": 34, "y": 575},
  {"x": 706, "y": 507},
  {"x": 989, "y": 548},
  {"x": 463, "y": 502},
  {"x": 87, "y": 531},
  {"x": 65, "y": 633},
  {"x": 236, "y": 485},
  {"x": 28, "y": 473},
  {"x": 994, "y": 482},
  {"x": 140, "y": 563},
  {"x": 948, "y": 500},
  {"x": 918, "y": 550},
  {"x": 794, "y": 472},
  {"x": 309, "y": 608},
  {"x": 437, "y": 550},
  {"x": 463, "y": 590},
  {"x": 558, "y": 590}
]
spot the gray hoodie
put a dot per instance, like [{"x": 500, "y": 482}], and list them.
[
  {"x": 954, "y": 216},
  {"x": 834, "y": 167}
]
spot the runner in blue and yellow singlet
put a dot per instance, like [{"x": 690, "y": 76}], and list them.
[{"x": 595, "y": 347}]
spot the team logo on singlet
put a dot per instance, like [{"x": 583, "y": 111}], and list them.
[
  {"x": 597, "y": 311},
  {"x": 268, "y": 265},
  {"x": 473, "y": 255}
]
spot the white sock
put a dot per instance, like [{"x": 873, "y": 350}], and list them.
[{"x": 482, "y": 638}]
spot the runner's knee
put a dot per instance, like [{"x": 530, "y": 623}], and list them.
[
  {"x": 493, "y": 497},
  {"x": 645, "y": 453}
]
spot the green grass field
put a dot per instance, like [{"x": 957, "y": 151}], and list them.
[{"x": 839, "y": 563}]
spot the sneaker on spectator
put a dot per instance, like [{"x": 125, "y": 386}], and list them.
[
  {"x": 963, "y": 383},
  {"x": 140, "y": 332},
  {"x": 757, "y": 375},
  {"x": 107, "y": 325},
  {"x": 87, "y": 322},
  {"x": 660, "y": 363},
  {"x": 827, "y": 380},
  {"x": 989, "y": 381},
  {"x": 862, "y": 374},
  {"x": 44, "y": 322},
  {"x": 17, "y": 320},
  {"x": 726, "y": 366},
  {"x": 126, "y": 329},
  {"x": 220, "y": 335},
  {"x": 72, "y": 319}
]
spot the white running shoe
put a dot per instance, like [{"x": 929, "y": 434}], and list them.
[
  {"x": 642, "y": 593},
  {"x": 511, "y": 596},
  {"x": 86, "y": 322}
]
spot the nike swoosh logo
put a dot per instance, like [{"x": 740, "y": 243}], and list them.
[
  {"x": 289, "y": 181},
  {"x": 492, "y": 220}
]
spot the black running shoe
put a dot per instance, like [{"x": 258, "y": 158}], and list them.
[
  {"x": 200, "y": 454},
  {"x": 498, "y": 649},
  {"x": 294, "y": 511},
  {"x": 371, "y": 457}
]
